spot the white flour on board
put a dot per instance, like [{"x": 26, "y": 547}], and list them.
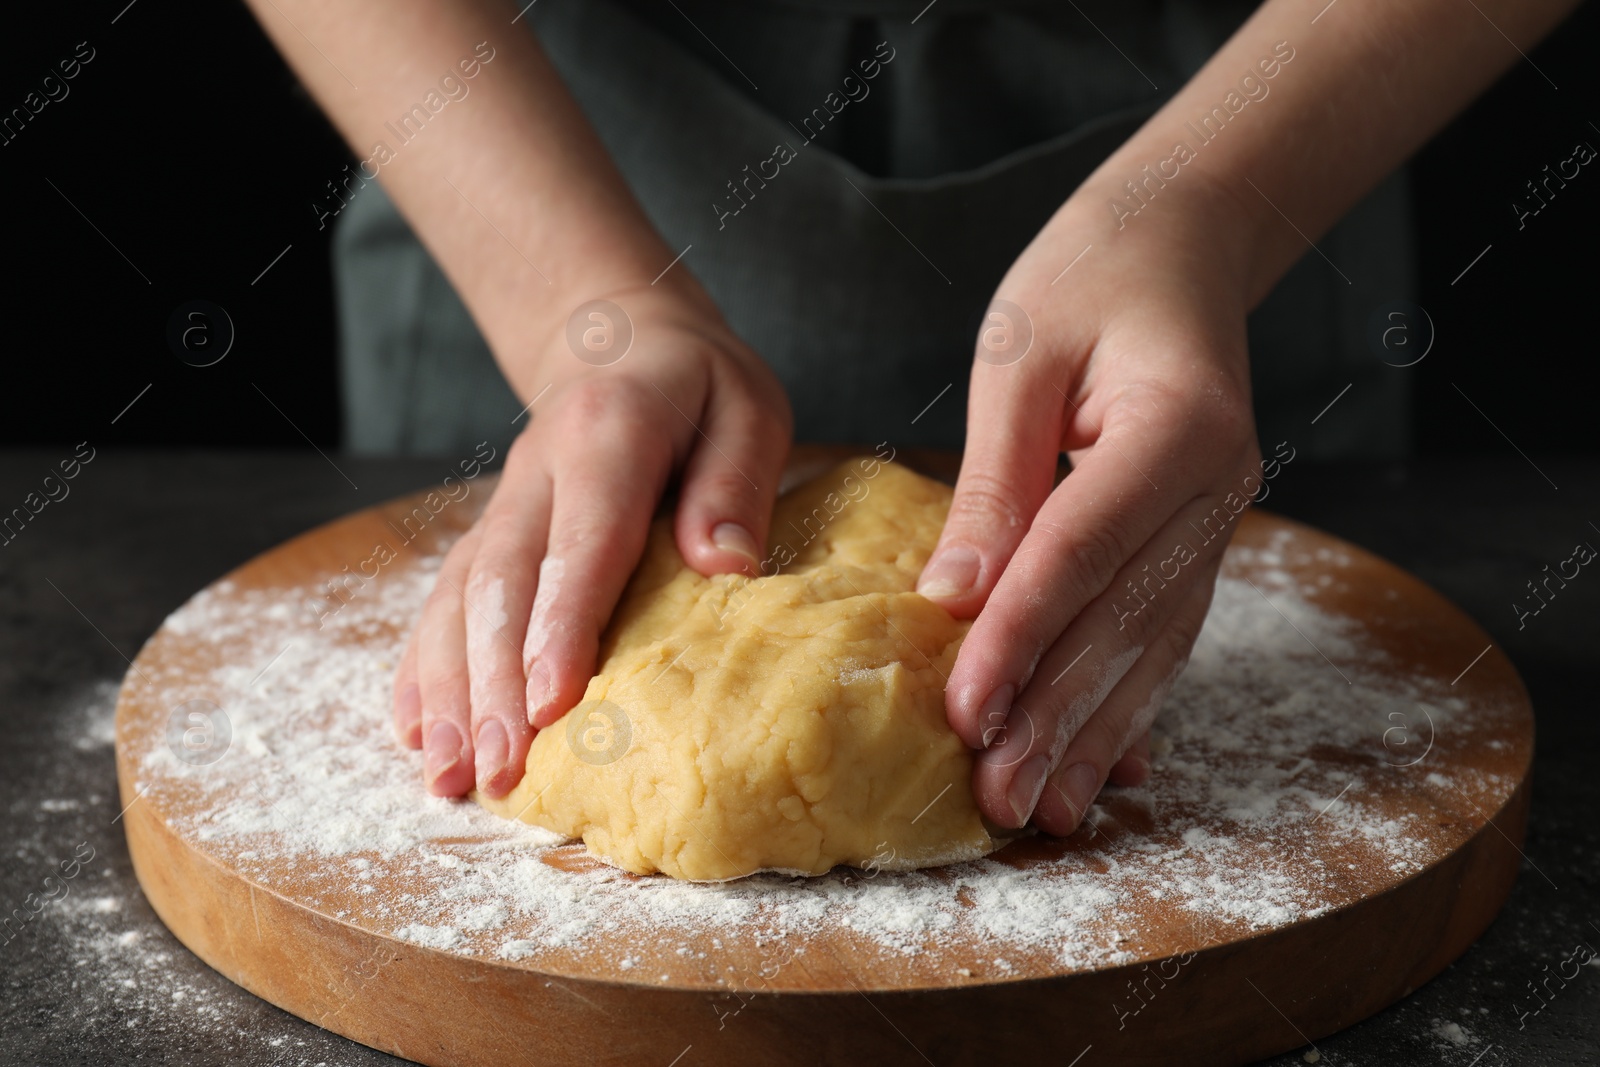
[{"x": 315, "y": 795}]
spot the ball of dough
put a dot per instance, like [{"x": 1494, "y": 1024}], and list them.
[{"x": 790, "y": 722}]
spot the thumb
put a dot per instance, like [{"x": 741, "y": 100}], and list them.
[
  {"x": 731, "y": 479},
  {"x": 1007, "y": 471}
]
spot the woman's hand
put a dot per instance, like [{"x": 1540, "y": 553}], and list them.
[
  {"x": 1138, "y": 369},
  {"x": 508, "y": 638},
  {"x": 1088, "y": 597},
  {"x": 514, "y": 195}
]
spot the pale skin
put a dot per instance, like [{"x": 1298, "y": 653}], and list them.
[{"x": 1138, "y": 370}]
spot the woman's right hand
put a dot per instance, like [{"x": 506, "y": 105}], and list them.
[
  {"x": 516, "y": 198},
  {"x": 508, "y": 638}
]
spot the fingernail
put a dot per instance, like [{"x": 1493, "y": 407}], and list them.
[
  {"x": 540, "y": 692},
  {"x": 731, "y": 537},
  {"x": 992, "y": 716},
  {"x": 408, "y": 716},
  {"x": 1079, "y": 784},
  {"x": 492, "y": 748},
  {"x": 1026, "y": 787},
  {"x": 444, "y": 750},
  {"x": 1144, "y": 770},
  {"x": 951, "y": 573}
]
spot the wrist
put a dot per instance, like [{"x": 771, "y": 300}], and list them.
[
  {"x": 573, "y": 333},
  {"x": 1189, "y": 235},
  {"x": 1141, "y": 199},
  {"x": 526, "y": 322}
]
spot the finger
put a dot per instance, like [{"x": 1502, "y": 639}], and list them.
[
  {"x": 1111, "y": 732},
  {"x": 605, "y": 490},
  {"x": 1126, "y": 489},
  {"x": 1134, "y": 766},
  {"x": 407, "y": 709},
  {"x": 442, "y": 677},
  {"x": 498, "y": 597},
  {"x": 1128, "y": 663},
  {"x": 730, "y": 481},
  {"x": 1013, "y": 435}
]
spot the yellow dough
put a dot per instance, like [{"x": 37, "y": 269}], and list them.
[{"x": 789, "y": 722}]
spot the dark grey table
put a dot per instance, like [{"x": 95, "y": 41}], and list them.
[{"x": 94, "y": 978}]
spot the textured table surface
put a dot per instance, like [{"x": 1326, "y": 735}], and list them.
[{"x": 92, "y": 977}]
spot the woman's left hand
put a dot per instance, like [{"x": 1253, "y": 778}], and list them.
[{"x": 1089, "y": 596}]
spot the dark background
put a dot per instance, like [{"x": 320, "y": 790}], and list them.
[
  {"x": 187, "y": 143},
  {"x": 191, "y": 147}
]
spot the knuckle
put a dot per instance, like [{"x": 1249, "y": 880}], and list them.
[
  {"x": 1215, "y": 410},
  {"x": 721, "y": 490},
  {"x": 754, "y": 382},
  {"x": 1161, "y": 402},
  {"x": 504, "y": 561},
  {"x": 531, "y": 655},
  {"x": 444, "y": 684},
  {"x": 1154, "y": 609},
  {"x": 1229, "y": 417},
  {"x": 1091, "y": 554},
  {"x": 984, "y": 498},
  {"x": 587, "y": 400},
  {"x": 1138, "y": 622},
  {"x": 596, "y": 401},
  {"x": 442, "y": 599},
  {"x": 586, "y": 532}
]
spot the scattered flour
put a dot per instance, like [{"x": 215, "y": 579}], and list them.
[
  {"x": 1271, "y": 801},
  {"x": 431, "y": 936},
  {"x": 95, "y": 977},
  {"x": 1453, "y": 1033}
]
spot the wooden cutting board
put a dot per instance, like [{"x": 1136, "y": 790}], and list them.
[{"x": 1172, "y": 988}]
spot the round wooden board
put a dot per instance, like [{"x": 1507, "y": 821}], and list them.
[{"x": 1230, "y": 993}]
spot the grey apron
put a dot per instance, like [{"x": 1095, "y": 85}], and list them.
[{"x": 861, "y": 270}]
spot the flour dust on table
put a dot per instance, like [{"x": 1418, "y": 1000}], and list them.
[{"x": 1272, "y": 799}]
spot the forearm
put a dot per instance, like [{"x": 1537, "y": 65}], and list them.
[
  {"x": 508, "y": 150},
  {"x": 1367, "y": 84}
]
